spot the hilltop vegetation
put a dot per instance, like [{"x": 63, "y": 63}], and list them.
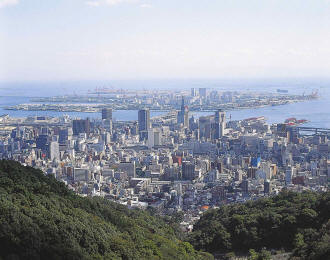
[
  {"x": 296, "y": 222},
  {"x": 41, "y": 219}
]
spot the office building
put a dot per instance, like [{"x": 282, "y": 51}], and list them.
[
  {"x": 65, "y": 135},
  {"x": 42, "y": 142},
  {"x": 107, "y": 119},
  {"x": 202, "y": 92},
  {"x": 144, "y": 119},
  {"x": 288, "y": 175},
  {"x": 81, "y": 126},
  {"x": 193, "y": 92},
  {"x": 183, "y": 115},
  {"x": 245, "y": 186},
  {"x": 188, "y": 170},
  {"x": 107, "y": 113},
  {"x": 154, "y": 138},
  {"x": 267, "y": 188},
  {"x": 128, "y": 168},
  {"x": 54, "y": 151},
  {"x": 220, "y": 123},
  {"x": 204, "y": 125},
  {"x": 144, "y": 123}
]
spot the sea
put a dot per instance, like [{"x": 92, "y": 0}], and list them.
[{"x": 317, "y": 112}]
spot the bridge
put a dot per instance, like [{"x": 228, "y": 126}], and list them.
[{"x": 315, "y": 130}]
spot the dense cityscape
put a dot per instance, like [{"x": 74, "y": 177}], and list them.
[
  {"x": 173, "y": 162},
  {"x": 162, "y": 100},
  {"x": 164, "y": 130}
]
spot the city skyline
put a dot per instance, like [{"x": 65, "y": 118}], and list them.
[
  {"x": 127, "y": 39},
  {"x": 162, "y": 129}
]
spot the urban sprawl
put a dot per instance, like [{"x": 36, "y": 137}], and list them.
[{"x": 173, "y": 162}]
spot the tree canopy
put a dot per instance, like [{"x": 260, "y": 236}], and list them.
[
  {"x": 40, "y": 218},
  {"x": 297, "y": 222}
]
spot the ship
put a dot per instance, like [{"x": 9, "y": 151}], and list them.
[
  {"x": 282, "y": 90},
  {"x": 292, "y": 121},
  {"x": 255, "y": 119}
]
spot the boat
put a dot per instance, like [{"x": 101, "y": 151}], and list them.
[
  {"x": 292, "y": 121},
  {"x": 282, "y": 90},
  {"x": 260, "y": 118}
]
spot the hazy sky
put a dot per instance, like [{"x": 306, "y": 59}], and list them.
[{"x": 127, "y": 39}]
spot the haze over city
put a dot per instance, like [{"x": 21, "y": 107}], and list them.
[
  {"x": 129, "y": 39},
  {"x": 165, "y": 129}
]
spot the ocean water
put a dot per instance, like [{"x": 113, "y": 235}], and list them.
[{"x": 317, "y": 112}]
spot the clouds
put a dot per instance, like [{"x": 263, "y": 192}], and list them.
[
  {"x": 93, "y": 3},
  {"x": 97, "y": 3},
  {"x": 4, "y": 3},
  {"x": 175, "y": 38},
  {"x": 145, "y": 5}
]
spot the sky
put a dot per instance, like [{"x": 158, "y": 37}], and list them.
[{"x": 150, "y": 39}]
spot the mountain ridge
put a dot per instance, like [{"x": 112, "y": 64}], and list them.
[{"x": 41, "y": 218}]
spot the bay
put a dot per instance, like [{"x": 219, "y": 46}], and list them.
[{"x": 317, "y": 112}]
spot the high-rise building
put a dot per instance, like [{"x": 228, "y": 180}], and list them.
[
  {"x": 44, "y": 131},
  {"x": 288, "y": 175},
  {"x": 193, "y": 92},
  {"x": 144, "y": 123},
  {"x": 135, "y": 128},
  {"x": 107, "y": 113},
  {"x": 267, "y": 187},
  {"x": 106, "y": 137},
  {"x": 81, "y": 126},
  {"x": 220, "y": 123},
  {"x": 107, "y": 125},
  {"x": 65, "y": 135},
  {"x": 81, "y": 174},
  {"x": 183, "y": 115},
  {"x": 202, "y": 92},
  {"x": 54, "y": 151},
  {"x": 154, "y": 138},
  {"x": 245, "y": 186},
  {"x": 188, "y": 170},
  {"x": 129, "y": 168},
  {"x": 144, "y": 119},
  {"x": 107, "y": 119},
  {"x": 42, "y": 142},
  {"x": 204, "y": 125},
  {"x": 220, "y": 116}
]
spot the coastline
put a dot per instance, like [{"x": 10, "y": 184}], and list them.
[{"x": 96, "y": 108}]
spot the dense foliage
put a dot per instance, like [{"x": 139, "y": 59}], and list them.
[
  {"x": 297, "y": 222},
  {"x": 41, "y": 219}
]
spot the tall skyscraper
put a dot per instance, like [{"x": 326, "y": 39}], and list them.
[
  {"x": 81, "y": 126},
  {"x": 193, "y": 92},
  {"x": 188, "y": 170},
  {"x": 144, "y": 123},
  {"x": 267, "y": 187},
  {"x": 107, "y": 119},
  {"x": 65, "y": 134},
  {"x": 204, "y": 126},
  {"x": 107, "y": 113},
  {"x": 245, "y": 186},
  {"x": 202, "y": 92},
  {"x": 220, "y": 116},
  {"x": 54, "y": 151},
  {"x": 144, "y": 119},
  {"x": 220, "y": 123},
  {"x": 288, "y": 175},
  {"x": 42, "y": 141},
  {"x": 154, "y": 138},
  {"x": 183, "y": 115}
]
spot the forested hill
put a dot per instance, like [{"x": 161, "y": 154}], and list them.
[
  {"x": 41, "y": 219},
  {"x": 295, "y": 222}
]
